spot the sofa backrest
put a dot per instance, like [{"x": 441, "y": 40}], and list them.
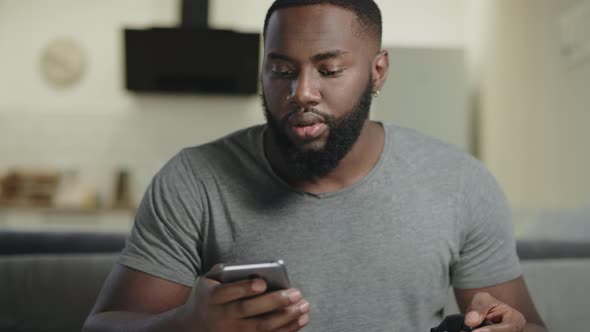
[
  {"x": 559, "y": 288},
  {"x": 20, "y": 243},
  {"x": 55, "y": 292},
  {"x": 50, "y": 292}
]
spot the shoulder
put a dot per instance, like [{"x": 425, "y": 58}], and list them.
[
  {"x": 186, "y": 175},
  {"x": 436, "y": 167},
  {"x": 235, "y": 148},
  {"x": 429, "y": 156},
  {"x": 196, "y": 163},
  {"x": 417, "y": 148},
  {"x": 240, "y": 144}
]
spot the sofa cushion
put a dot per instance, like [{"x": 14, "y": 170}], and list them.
[
  {"x": 559, "y": 288},
  {"x": 18, "y": 243},
  {"x": 534, "y": 249},
  {"x": 50, "y": 292}
]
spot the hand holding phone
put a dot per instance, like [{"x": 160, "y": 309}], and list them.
[
  {"x": 220, "y": 303},
  {"x": 273, "y": 273}
]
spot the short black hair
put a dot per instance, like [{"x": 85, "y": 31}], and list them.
[{"x": 367, "y": 12}]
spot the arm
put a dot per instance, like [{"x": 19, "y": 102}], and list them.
[
  {"x": 133, "y": 301},
  {"x": 166, "y": 237},
  {"x": 508, "y": 305}
]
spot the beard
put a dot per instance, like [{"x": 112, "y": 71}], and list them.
[{"x": 343, "y": 133}]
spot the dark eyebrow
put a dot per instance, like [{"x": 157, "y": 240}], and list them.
[
  {"x": 328, "y": 55},
  {"x": 315, "y": 58},
  {"x": 277, "y": 56}
]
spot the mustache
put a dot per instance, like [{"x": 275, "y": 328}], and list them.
[{"x": 328, "y": 119}]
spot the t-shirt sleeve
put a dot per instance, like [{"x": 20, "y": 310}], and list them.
[
  {"x": 488, "y": 250},
  {"x": 166, "y": 235}
]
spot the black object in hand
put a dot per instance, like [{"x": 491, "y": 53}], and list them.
[{"x": 456, "y": 323}]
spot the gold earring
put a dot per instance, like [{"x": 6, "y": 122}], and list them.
[{"x": 376, "y": 93}]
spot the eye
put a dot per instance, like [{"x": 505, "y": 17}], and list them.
[
  {"x": 282, "y": 72},
  {"x": 330, "y": 73}
]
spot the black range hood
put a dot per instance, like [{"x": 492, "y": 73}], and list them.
[{"x": 191, "y": 58}]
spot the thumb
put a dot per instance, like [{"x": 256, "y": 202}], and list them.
[
  {"x": 202, "y": 286},
  {"x": 478, "y": 309},
  {"x": 473, "y": 318}
]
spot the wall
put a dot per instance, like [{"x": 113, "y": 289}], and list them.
[
  {"x": 26, "y": 26},
  {"x": 406, "y": 22},
  {"x": 427, "y": 92},
  {"x": 532, "y": 109},
  {"x": 97, "y": 126},
  {"x": 534, "y": 106}
]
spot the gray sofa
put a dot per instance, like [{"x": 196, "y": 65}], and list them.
[{"x": 49, "y": 281}]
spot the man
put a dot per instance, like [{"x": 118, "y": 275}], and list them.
[{"x": 374, "y": 221}]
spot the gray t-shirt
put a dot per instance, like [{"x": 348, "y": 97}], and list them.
[{"x": 379, "y": 255}]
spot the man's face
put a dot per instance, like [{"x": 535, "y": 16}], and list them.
[{"x": 316, "y": 85}]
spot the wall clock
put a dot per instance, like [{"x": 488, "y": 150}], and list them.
[{"x": 63, "y": 62}]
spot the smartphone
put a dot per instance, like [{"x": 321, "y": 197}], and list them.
[{"x": 274, "y": 273}]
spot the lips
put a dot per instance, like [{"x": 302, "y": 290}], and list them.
[
  {"x": 306, "y": 126},
  {"x": 304, "y": 119}
]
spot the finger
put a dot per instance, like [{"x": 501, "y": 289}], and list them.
[
  {"x": 504, "y": 327},
  {"x": 296, "y": 325},
  {"x": 264, "y": 304},
  {"x": 504, "y": 314},
  {"x": 479, "y": 308},
  {"x": 202, "y": 287},
  {"x": 227, "y": 293},
  {"x": 208, "y": 282},
  {"x": 214, "y": 272},
  {"x": 284, "y": 318}
]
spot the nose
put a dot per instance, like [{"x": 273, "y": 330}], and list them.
[{"x": 304, "y": 90}]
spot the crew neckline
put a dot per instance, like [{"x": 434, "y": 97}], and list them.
[{"x": 387, "y": 132}]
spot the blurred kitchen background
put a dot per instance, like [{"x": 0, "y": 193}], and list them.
[{"x": 507, "y": 80}]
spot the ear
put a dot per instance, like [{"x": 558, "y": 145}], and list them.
[{"x": 380, "y": 68}]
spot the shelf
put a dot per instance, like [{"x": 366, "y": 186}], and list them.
[
  {"x": 62, "y": 209},
  {"x": 46, "y": 218}
]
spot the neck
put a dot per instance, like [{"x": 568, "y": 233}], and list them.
[{"x": 355, "y": 165}]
